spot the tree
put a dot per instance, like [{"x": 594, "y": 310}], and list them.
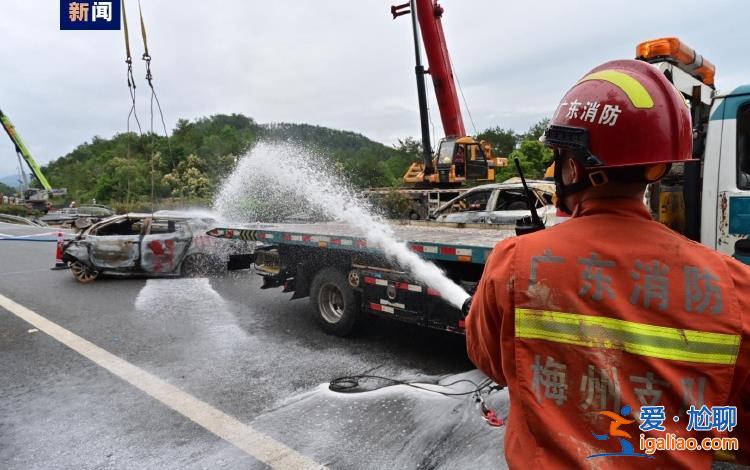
[
  {"x": 125, "y": 175},
  {"x": 188, "y": 180},
  {"x": 534, "y": 158},
  {"x": 503, "y": 141},
  {"x": 410, "y": 146},
  {"x": 536, "y": 130},
  {"x": 6, "y": 190}
]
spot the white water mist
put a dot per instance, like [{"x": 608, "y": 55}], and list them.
[{"x": 276, "y": 181}]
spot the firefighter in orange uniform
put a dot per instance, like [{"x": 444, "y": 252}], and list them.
[{"x": 611, "y": 315}]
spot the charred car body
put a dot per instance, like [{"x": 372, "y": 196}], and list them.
[
  {"x": 499, "y": 204},
  {"x": 158, "y": 244}
]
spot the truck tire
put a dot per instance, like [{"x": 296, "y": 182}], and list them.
[
  {"x": 83, "y": 273},
  {"x": 334, "y": 302}
]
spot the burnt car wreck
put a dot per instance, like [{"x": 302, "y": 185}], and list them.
[{"x": 159, "y": 244}]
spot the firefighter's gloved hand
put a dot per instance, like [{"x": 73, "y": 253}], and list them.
[{"x": 466, "y": 307}]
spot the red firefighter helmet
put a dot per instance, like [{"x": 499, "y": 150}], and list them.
[{"x": 622, "y": 113}]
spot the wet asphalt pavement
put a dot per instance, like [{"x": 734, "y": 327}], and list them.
[{"x": 252, "y": 354}]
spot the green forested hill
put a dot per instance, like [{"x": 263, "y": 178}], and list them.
[
  {"x": 190, "y": 165},
  {"x": 200, "y": 153}
]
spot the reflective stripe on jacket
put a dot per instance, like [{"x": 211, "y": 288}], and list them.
[{"x": 606, "y": 311}]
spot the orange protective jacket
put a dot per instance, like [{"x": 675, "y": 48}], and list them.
[{"x": 606, "y": 310}]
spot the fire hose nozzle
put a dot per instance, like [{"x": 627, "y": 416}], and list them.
[{"x": 466, "y": 306}]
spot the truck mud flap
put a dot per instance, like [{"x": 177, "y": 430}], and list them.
[
  {"x": 406, "y": 316},
  {"x": 237, "y": 262},
  {"x": 409, "y": 302}
]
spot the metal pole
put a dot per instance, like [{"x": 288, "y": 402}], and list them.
[
  {"x": 422, "y": 95},
  {"x": 692, "y": 187}
]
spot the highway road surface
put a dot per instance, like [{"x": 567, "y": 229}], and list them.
[{"x": 215, "y": 373}]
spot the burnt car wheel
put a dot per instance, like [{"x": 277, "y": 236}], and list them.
[
  {"x": 83, "y": 273},
  {"x": 334, "y": 302}
]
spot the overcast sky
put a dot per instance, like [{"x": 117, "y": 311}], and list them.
[{"x": 339, "y": 63}]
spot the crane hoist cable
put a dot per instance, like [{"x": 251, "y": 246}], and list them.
[
  {"x": 131, "y": 79},
  {"x": 149, "y": 78},
  {"x": 147, "y": 58},
  {"x": 131, "y": 89},
  {"x": 466, "y": 104}
]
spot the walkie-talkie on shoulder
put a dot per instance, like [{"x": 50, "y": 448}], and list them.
[{"x": 533, "y": 223}]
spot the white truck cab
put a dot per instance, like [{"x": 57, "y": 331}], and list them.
[
  {"x": 707, "y": 200},
  {"x": 726, "y": 175}
]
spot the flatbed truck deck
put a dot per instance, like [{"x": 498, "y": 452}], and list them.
[{"x": 434, "y": 241}]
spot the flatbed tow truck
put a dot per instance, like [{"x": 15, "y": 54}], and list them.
[
  {"x": 708, "y": 200},
  {"x": 345, "y": 275}
]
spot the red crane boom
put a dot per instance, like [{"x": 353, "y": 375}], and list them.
[
  {"x": 459, "y": 158},
  {"x": 429, "y": 14}
]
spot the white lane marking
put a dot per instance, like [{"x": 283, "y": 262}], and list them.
[
  {"x": 45, "y": 234},
  {"x": 26, "y": 228},
  {"x": 254, "y": 443},
  {"x": 24, "y": 272}
]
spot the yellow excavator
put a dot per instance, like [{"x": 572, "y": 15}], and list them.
[{"x": 34, "y": 198}]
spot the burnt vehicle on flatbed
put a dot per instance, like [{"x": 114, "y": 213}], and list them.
[
  {"x": 158, "y": 244},
  {"x": 500, "y": 204}
]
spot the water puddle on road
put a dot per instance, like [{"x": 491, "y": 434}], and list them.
[
  {"x": 190, "y": 306},
  {"x": 394, "y": 426},
  {"x": 178, "y": 295}
]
